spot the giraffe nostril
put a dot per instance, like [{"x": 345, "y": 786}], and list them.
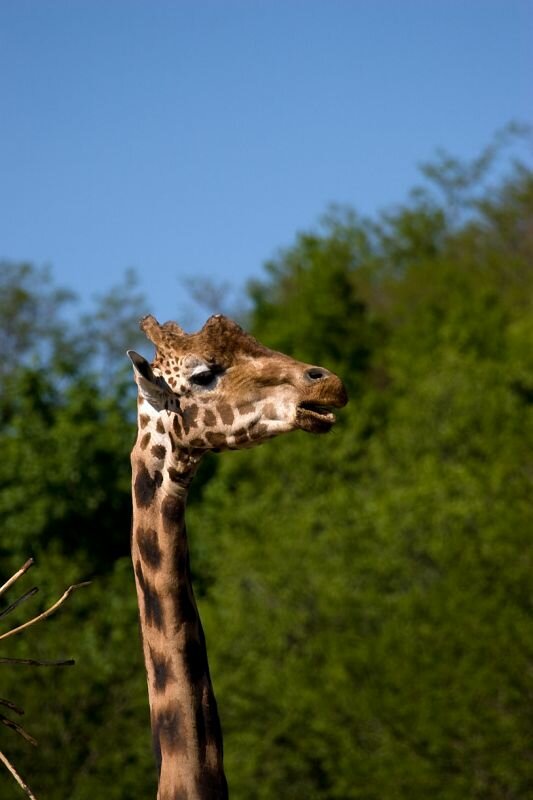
[{"x": 316, "y": 373}]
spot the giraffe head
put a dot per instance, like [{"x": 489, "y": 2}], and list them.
[{"x": 221, "y": 389}]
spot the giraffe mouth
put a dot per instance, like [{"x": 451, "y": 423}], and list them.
[{"x": 314, "y": 418}]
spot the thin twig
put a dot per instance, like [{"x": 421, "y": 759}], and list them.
[
  {"x": 29, "y": 661},
  {"x": 45, "y": 614},
  {"x": 24, "y": 568},
  {"x": 33, "y": 662},
  {"x": 18, "y": 729},
  {"x": 17, "y": 777},
  {"x": 11, "y": 706},
  {"x": 15, "y": 603}
]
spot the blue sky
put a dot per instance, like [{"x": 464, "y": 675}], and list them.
[{"x": 195, "y": 138}]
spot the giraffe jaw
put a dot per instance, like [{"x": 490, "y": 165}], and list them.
[{"x": 314, "y": 417}]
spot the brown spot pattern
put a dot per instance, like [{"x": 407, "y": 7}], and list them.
[
  {"x": 184, "y": 607},
  {"x": 172, "y": 510},
  {"x": 195, "y": 657},
  {"x": 144, "y": 419},
  {"x": 211, "y": 782},
  {"x": 149, "y": 548},
  {"x": 246, "y": 408},
  {"x": 156, "y": 744},
  {"x": 190, "y": 418},
  {"x": 153, "y": 610},
  {"x": 226, "y": 413},
  {"x": 177, "y": 477},
  {"x": 215, "y": 439},
  {"x": 259, "y": 431},
  {"x": 167, "y": 726},
  {"x": 159, "y": 451},
  {"x": 209, "y": 418},
  {"x": 146, "y": 486},
  {"x": 160, "y": 428},
  {"x": 162, "y": 670},
  {"x": 145, "y": 441}
]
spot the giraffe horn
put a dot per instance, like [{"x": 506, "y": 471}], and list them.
[
  {"x": 151, "y": 327},
  {"x": 158, "y": 333}
]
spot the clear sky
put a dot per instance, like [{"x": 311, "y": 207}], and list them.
[{"x": 195, "y": 138}]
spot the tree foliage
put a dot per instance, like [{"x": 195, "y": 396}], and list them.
[{"x": 366, "y": 595}]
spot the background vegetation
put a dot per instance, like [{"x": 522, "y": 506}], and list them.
[{"x": 367, "y": 596}]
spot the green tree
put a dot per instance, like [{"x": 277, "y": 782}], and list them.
[
  {"x": 366, "y": 596},
  {"x": 66, "y": 426},
  {"x": 370, "y": 594}
]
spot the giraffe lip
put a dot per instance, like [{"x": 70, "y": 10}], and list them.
[{"x": 314, "y": 417}]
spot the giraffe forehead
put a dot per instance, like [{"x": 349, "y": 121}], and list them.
[
  {"x": 221, "y": 341},
  {"x": 217, "y": 331},
  {"x": 169, "y": 361},
  {"x": 223, "y": 344}
]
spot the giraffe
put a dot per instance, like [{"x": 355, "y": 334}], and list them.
[{"x": 217, "y": 389}]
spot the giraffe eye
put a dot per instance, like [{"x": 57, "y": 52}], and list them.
[
  {"x": 203, "y": 378},
  {"x": 203, "y": 375}
]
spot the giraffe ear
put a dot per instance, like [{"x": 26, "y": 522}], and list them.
[{"x": 147, "y": 382}]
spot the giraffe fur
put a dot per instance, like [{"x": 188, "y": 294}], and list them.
[{"x": 215, "y": 390}]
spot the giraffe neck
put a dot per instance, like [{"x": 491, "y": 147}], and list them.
[{"x": 186, "y": 731}]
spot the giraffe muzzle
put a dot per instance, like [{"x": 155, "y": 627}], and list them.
[{"x": 314, "y": 418}]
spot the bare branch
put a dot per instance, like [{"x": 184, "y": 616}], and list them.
[
  {"x": 18, "y": 729},
  {"x": 24, "y": 568},
  {"x": 29, "y": 661},
  {"x": 15, "y": 603},
  {"x": 17, "y": 777},
  {"x": 45, "y": 614},
  {"x": 11, "y": 706},
  {"x": 33, "y": 662}
]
